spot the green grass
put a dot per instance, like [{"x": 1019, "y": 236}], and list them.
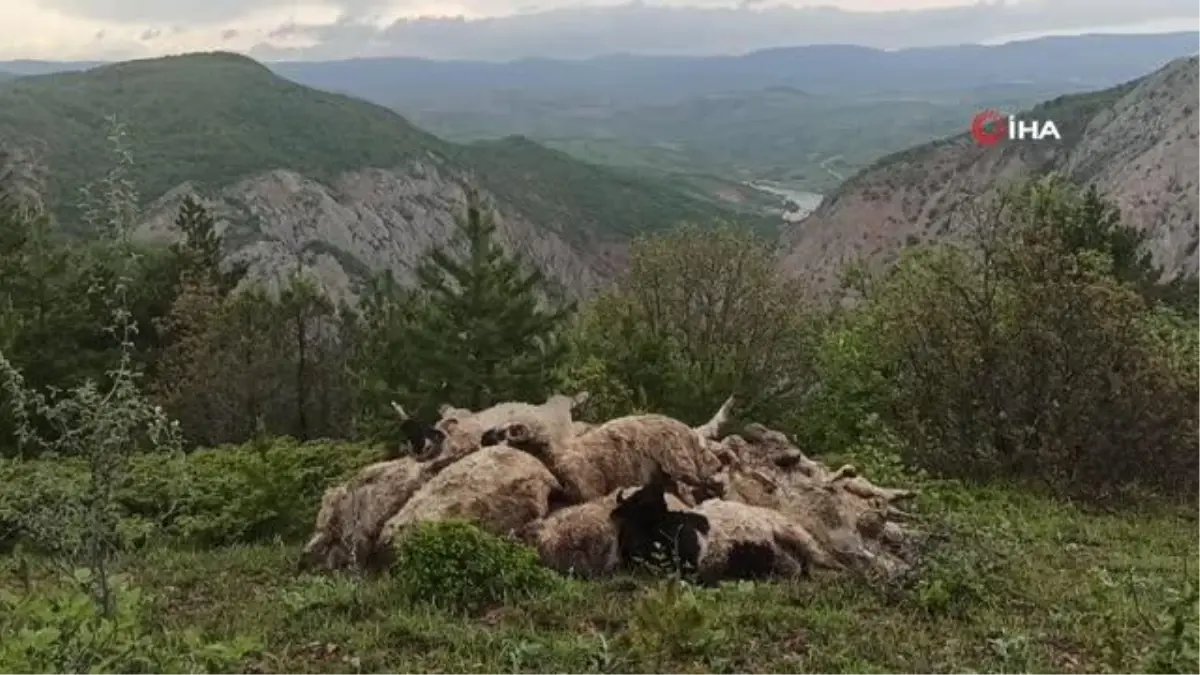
[
  {"x": 1019, "y": 584},
  {"x": 216, "y": 118}
]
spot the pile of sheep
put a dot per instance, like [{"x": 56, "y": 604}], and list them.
[{"x": 594, "y": 498}]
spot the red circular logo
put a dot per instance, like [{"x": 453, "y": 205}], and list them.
[{"x": 989, "y": 128}]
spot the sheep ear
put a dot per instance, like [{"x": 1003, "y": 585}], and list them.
[{"x": 444, "y": 408}]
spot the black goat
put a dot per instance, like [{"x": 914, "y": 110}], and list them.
[{"x": 647, "y": 529}]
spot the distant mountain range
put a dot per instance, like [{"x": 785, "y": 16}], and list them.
[{"x": 1079, "y": 61}]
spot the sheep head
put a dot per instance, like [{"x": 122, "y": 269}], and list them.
[
  {"x": 648, "y": 501},
  {"x": 424, "y": 440}
]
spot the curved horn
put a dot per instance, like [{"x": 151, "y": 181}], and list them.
[
  {"x": 712, "y": 428},
  {"x": 399, "y": 410}
]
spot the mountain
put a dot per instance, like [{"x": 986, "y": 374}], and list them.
[
  {"x": 351, "y": 185},
  {"x": 1084, "y": 61},
  {"x": 1137, "y": 142},
  {"x": 800, "y": 117},
  {"x": 21, "y": 67},
  {"x": 804, "y": 116},
  {"x": 809, "y": 142}
]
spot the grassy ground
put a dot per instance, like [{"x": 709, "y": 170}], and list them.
[{"x": 1016, "y": 584}]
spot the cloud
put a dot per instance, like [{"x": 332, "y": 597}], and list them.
[
  {"x": 509, "y": 29},
  {"x": 647, "y": 29}
]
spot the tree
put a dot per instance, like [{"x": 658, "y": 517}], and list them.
[
  {"x": 700, "y": 314},
  {"x": 481, "y": 329},
  {"x": 1031, "y": 352}
]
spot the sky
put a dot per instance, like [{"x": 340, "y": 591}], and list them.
[{"x": 510, "y": 29}]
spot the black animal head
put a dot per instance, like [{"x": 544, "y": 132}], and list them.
[
  {"x": 647, "y": 529},
  {"x": 424, "y": 440}
]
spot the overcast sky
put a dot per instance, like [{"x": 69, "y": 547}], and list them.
[{"x": 507, "y": 29}]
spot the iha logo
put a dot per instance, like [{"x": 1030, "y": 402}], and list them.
[{"x": 990, "y": 127}]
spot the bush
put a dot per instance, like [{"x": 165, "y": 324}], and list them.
[
  {"x": 700, "y": 314},
  {"x": 455, "y": 565},
  {"x": 60, "y": 629},
  {"x": 210, "y": 497},
  {"x": 1020, "y": 356}
]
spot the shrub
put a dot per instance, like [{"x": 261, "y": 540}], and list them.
[
  {"x": 210, "y": 497},
  {"x": 455, "y": 565},
  {"x": 60, "y": 629},
  {"x": 1024, "y": 355}
]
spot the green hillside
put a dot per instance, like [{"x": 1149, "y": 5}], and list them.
[
  {"x": 776, "y": 134},
  {"x": 215, "y": 118},
  {"x": 1070, "y": 111}
]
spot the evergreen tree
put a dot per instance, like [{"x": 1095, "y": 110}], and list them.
[
  {"x": 199, "y": 250},
  {"x": 485, "y": 335}
]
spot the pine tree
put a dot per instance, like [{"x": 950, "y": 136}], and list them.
[
  {"x": 199, "y": 250},
  {"x": 485, "y": 335}
]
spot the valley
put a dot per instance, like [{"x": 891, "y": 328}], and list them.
[{"x": 739, "y": 363}]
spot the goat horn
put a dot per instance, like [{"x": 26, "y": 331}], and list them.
[{"x": 399, "y": 411}]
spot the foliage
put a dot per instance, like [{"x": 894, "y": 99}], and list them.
[
  {"x": 102, "y": 423},
  {"x": 457, "y": 566},
  {"x": 255, "y": 492},
  {"x": 1039, "y": 604},
  {"x": 480, "y": 326},
  {"x": 58, "y": 629},
  {"x": 1029, "y": 355},
  {"x": 698, "y": 316}
]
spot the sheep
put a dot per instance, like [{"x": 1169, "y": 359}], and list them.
[
  {"x": 775, "y": 447},
  {"x": 462, "y": 431},
  {"x": 620, "y": 452},
  {"x": 581, "y": 540},
  {"x": 352, "y": 515},
  {"x": 751, "y": 542},
  {"x": 646, "y": 527},
  {"x": 498, "y": 488},
  {"x": 844, "y": 512},
  {"x": 424, "y": 440}
]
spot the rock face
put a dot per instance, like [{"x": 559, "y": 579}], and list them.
[
  {"x": 368, "y": 221},
  {"x": 1136, "y": 142}
]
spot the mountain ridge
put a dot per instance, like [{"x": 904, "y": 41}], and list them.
[
  {"x": 275, "y": 156},
  {"x": 1135, "y": 141}
]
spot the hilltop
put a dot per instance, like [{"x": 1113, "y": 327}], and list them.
[
  {"x": 353, "y": 183},
  {"x": 1135, "y": 141}
]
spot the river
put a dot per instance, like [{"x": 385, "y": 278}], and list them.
[{"x": 799, "y": 202}]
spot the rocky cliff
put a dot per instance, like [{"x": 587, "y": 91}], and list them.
[
  {"x": 1136, "y": 142},
  {"x": 368, "y": 221}
]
